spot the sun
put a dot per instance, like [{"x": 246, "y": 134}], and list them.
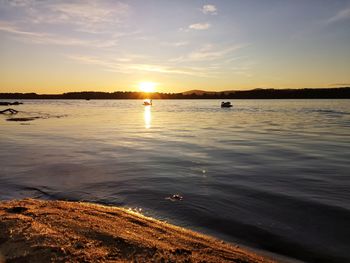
[{"x": 147, "y": 86}]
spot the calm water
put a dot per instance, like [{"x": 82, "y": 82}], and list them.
[{"x": 271, "y": 174}]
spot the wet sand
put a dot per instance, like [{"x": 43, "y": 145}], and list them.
[{"x": 57, "y": 231}]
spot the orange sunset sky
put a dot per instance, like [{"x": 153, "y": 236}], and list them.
[{"x": 110, "y": 45}]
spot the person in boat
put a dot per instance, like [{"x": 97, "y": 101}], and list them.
[{"x": 146, "y": 103}]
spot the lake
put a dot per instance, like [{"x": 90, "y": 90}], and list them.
[{"x": 270, "y": 174}]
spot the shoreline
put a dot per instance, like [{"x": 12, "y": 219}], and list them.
[{"x": 60, "y": 231}]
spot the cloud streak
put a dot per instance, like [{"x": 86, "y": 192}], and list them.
[
  {"x": 81, "y": 15},
  {"x": 209, "y": 61},
  {"x": 210, "y": 53},
  {"x": 88, "y": 16},
  {"x": 209, "y": 10},
  {"x": 80, "y": 23},
  {"x": 53, "y": 39},
  {"x": 175, "y": 44},
  {"x": 200, "y": 26},
  {"x": 127, "y": 66},
  {"x": 10, "y": 28},
  {"x": 341, "y": 15}
]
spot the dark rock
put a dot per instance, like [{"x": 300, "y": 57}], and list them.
[
  {"x": 5, "y": 103},
  {"x": 9, "y": 111},
  {"x": 22, "y": 119},
  {"x": 17, "y": 209}
]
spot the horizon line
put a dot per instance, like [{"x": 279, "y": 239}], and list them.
[{"x": 158, "y": 92}]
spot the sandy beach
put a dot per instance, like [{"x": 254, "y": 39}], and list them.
[{"x": 58, "y": 231}]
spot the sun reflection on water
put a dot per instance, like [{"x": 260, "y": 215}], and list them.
[{"x": 147, "y": 117}]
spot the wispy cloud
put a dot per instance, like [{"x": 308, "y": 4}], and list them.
[
  {"x": 21, "y": 2},
  {"x": 110, "y": 65},
  {"x": 175, "y": 44},
  {"x": 53, "y": 39},
  {"x": 343, "y": 14},
  {"x": 80, "y": 15},
  {"x": 209, "y": 10},
  {"x": 210, "y": 52},
  {"x": 128, "y": 66},
  {"x": 10, "y": 28},
  {"x": 89, "y": 16},
  {"x": 83, "y": 23},
  {"x": 167, "y": 69},
  {"x": 199, "y": 26},
  {"x": 217, "y": 60}
]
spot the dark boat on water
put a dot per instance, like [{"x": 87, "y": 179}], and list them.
[{"x": 226, "y": 104}]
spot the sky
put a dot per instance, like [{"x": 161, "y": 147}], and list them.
[{"x": 52, "y": 46}]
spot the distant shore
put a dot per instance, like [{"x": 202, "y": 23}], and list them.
[
  {"x": 307, "y": 93},
  {"x": 57, "y": 231}
]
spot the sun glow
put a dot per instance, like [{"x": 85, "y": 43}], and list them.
[{"x": 147, "y": 86}]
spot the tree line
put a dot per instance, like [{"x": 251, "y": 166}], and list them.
[{"x": 317, "y": 93}]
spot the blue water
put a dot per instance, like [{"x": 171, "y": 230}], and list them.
[{"x": 270, "y": 174}]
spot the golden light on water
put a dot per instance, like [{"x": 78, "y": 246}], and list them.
[
  {"x": 147, "y": 86},
  {"x": 147, "y": 117}
]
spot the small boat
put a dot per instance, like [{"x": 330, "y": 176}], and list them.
[
  {"x": 226, "y": 104},
  {"x": 147, "y": 103}
]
